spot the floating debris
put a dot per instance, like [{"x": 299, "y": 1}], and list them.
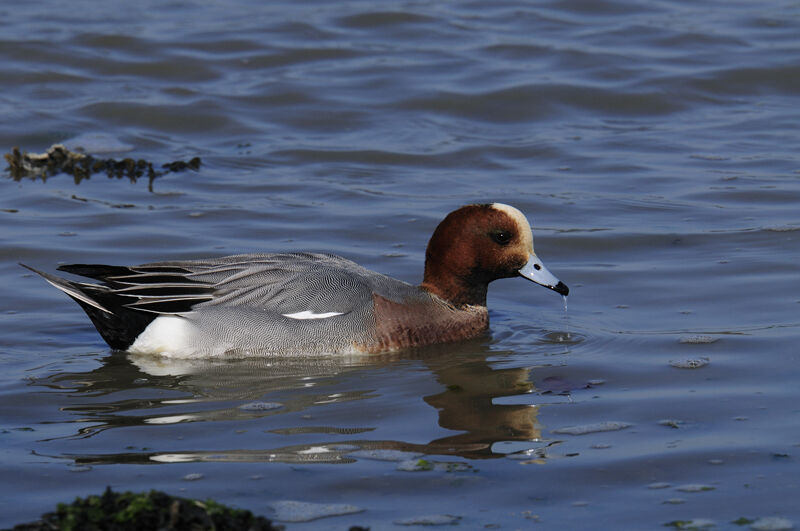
[
  {"x": 786, "y": 228},
  {"x": 58, "y": 159},
  {"x": 529, "y": 515},
  {"x": 689, "y": 363},
  {"x": 530, "y": 453},
  {"x": 453, "y": 467},
  {"x": 193, "y": 477},
  {"x": 182, "y": 165},
  {"x": 593, "y": 428},
  {"x": 151, "y": 510},
  {"x": 260, "y": 406},
  {"x": 415, "y": 465},
  {"x": 673, "y": 423},
  {"x": 695, "y": 487},
  {"x": 423, "y": 465},
  {"x": 659, "y": 485},
  {"x": 560, "y": 386},
  {"x": 433, "y": 519},
  {"x": 697, "y": 523},
  {"x": 772, "y": 523},
  {"x": 385, "y": 455},
  {"x": 674, "y": 501},
  {"x": 698, "y": 340},
  {"x": 297, "y": 511}
]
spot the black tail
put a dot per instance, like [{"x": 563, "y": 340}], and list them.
[{"x": 118, "y": 325}]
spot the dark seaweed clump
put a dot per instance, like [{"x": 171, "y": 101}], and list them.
[
  {"x": 127, "y": 511},
  {"x": 58, "y": 159}
]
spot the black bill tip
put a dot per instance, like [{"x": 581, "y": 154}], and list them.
[{"x": 561, "y": 288}]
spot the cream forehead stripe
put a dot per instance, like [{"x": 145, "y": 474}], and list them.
[{"x": 521, "y": 220}]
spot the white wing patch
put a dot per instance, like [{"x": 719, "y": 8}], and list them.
[{"x": 308, "y": 314}]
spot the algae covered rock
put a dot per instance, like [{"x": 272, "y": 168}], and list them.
[{"x": 128, "y": 511}]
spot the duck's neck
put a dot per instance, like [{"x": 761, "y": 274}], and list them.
[{"x": 459, "y": 288}]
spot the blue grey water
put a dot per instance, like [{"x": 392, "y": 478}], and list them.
[{"x": 653, "y": 144}]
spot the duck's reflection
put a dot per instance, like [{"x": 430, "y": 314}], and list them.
[
  {"x": 304, "y": 399},
  {"x": 466, "y": 405}
]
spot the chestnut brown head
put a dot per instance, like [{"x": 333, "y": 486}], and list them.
[{"x": 477, "y": 244}]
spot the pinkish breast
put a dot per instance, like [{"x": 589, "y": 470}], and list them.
[{"x": 399, "y": 326}]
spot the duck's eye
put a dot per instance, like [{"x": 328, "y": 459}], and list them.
[{"x": 501, "y": 236}]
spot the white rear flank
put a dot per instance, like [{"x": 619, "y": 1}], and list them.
[{"x": 167, "y": 335}]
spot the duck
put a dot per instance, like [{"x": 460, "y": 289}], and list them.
[{"x": 309, "y": 303}]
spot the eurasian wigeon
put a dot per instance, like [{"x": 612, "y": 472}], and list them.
[{"x": 310, "y": 303}]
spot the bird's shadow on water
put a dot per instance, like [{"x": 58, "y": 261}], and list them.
[{"x": 140, "y": 391}]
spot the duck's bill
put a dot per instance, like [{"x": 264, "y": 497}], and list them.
[{"x": 536, "y": 271}]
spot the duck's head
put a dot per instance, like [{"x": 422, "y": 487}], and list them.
[{"x": 477, "y": 244}]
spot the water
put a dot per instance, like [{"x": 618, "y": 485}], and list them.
[{"x": 653, "y": 144}]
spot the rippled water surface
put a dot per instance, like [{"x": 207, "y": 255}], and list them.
[{"x": 653, "y": 144}]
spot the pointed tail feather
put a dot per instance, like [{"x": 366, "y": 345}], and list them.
[
  {"x": 118, "y": 325},
  {"x": 73, "y": 289}
]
